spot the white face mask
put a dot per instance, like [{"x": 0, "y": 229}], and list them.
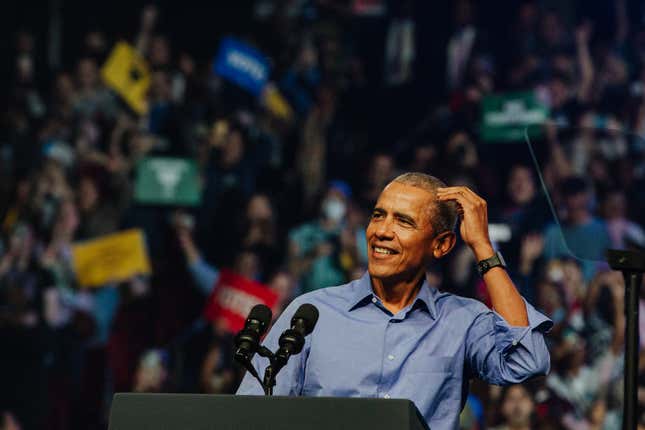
[{"x": 333, "y": 209}]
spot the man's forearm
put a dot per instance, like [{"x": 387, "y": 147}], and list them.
[{"x": 504, "y": 296}]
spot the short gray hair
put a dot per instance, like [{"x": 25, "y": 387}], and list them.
[{"x": 444, "y": 217}]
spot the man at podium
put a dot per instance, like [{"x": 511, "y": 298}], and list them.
[{"x": 390, "y": 335}]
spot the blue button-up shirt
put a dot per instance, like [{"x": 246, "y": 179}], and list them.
[{"x": 426, "y": 352}]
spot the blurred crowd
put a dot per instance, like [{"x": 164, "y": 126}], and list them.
[{"x": 285, "y": 200}]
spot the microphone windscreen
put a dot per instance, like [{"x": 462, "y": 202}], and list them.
[
  {"x": 263, "y": 314},
  {"x": 308, "y": 313}
]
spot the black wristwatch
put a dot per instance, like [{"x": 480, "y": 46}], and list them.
[{"x": 485, "y": 265}]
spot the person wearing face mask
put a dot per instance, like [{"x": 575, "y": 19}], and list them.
[{"x": 314, "y": 246}]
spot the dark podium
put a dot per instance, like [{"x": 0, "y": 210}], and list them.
[{"x": 214, "y": 412}]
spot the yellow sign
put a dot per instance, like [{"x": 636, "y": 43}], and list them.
[
  {"x": 126, "y": 72},
  {"x": 275, "y": 103},
  {"x": 110, "y": 258}
]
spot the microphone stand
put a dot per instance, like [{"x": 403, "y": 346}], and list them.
[
  {"x": 263, "y": 351},
  {"x": 632, "y": 264},
  {"x": 277, "y": 362},
  {"x": 269, "y": 382}
]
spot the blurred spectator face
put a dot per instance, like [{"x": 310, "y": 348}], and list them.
[
  {"x": 308, "y": 57},
  {"x": 558, "y": 92},
  {"x": 576, "y": 197},
  {"x": 141, "y": 143},
  {"x": 423, "y": 158},
  {"x": 356, "y": 216},
  {"x": 52, "y": 180},
  {"x": 381, "y": 170},
  {"x": 64, "y": 89},
  {"x": 95, "y": 42},
  {"x": 284, "y": 285},
  {"x": 334, "y": 205},
  {"x": 521, "y": 187},
  {"x": 24, "y": 69},
  {"x": 572, "y": 282},
  {"x": 233, "y": 149},
  {"x": 577, "y": 202},
  {"x": 517, "y": 407},
  {"x": 247, "y": 264},
  {"x": 259, "y": 209},
  {"x": 564, "y": 64},
  {"x": 88, "y": 194},
  {"x": 186, "y": 64},
  {"x": 21, "y": 240},
  {"x": 575, "y": 355},
  {"x": 552, "y": 30},
  {"x": 614, "y": 71},
  {"x": 159, "y": 51},
  {"x": 599, "y": 170},
  {"x": 461, "y": 151},
  {"x": 67, "y": 221},
  {"x": 550, "y": 301},
  {"x": 87, "y": 74},
  {"x": 571, "y": 272},
  {"x": 151, "y": 373}
]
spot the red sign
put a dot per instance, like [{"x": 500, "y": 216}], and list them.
[
  {"x": 234, "y": 296},
  {"x": 369, "y": 7}
]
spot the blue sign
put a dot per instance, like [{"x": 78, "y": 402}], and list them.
[{"x": 242, "y": 64}]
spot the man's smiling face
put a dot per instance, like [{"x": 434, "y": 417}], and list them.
[{"x": 400, "y": 233}]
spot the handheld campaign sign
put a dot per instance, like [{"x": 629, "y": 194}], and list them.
[
  {"x": 127, "y": 73},
  {"x": 233, "y": 298},
  {"x": 506, "y": 116},
  {"x": 242, "y": 65},
  {"x": 111, "y": 258},
  {"x": 167, "y": 181}
]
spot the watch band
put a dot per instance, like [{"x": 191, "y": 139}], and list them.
[{"x": 496, "y": 260}]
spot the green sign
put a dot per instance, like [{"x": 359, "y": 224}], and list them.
[
  {"x": 167, "y": 181},
  {"x": 505, "y": 117}
]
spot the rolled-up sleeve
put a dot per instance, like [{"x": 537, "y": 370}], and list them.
[{"x": 503, "y": 354}]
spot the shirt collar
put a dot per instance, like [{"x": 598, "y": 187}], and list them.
[{"x": 363, "y": 294}]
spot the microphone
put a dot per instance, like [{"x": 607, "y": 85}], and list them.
[
  {"x": 247, "y": 341},
  {"x": 292, "y": 340}
]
